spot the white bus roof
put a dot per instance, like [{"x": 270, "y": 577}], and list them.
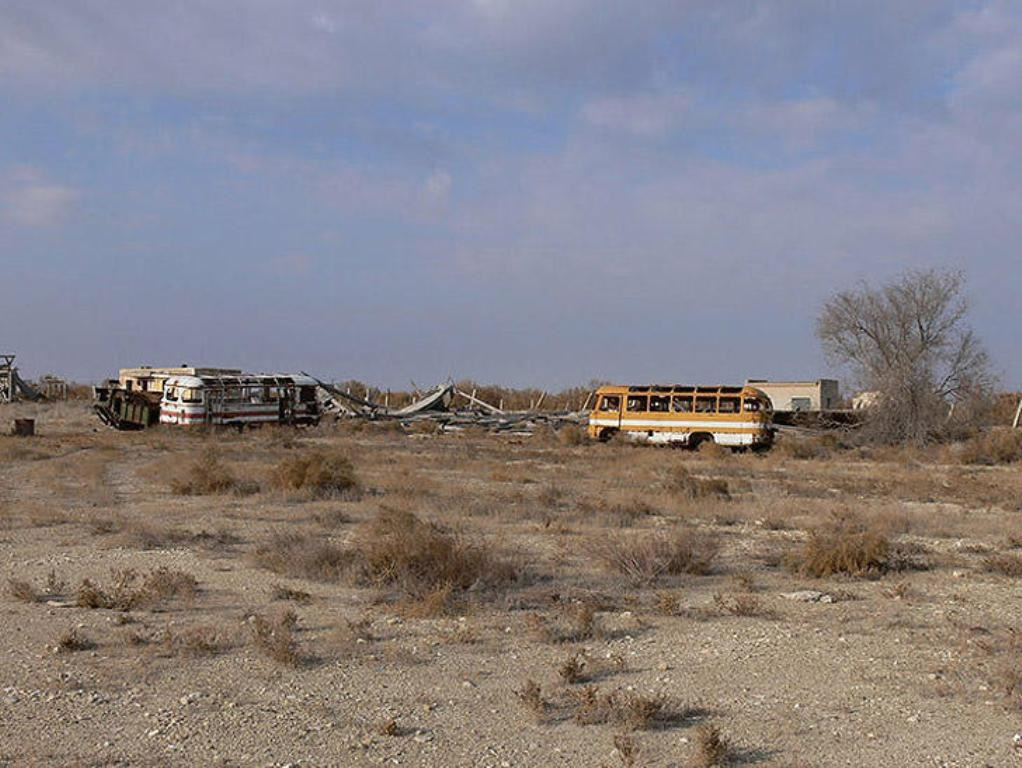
[{"x": 245, "y": 379}]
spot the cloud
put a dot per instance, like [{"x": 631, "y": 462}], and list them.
[
  {"x": 28, "y": 199},
  {"x": 643, "y": 115}
]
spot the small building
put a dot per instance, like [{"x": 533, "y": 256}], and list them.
[{"x": 800, "y": 396}]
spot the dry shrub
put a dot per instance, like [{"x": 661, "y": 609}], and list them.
[
  {"x": 302, "y": 555},
  {"x": 130, "y": 590},
  {"x": 998, "y": 446},
  {"x": 1004, "y": 564},
  {"x": 580, "y": 667},
  {"x": 739, "y": 605},
  {"x": 850, "y": 551},
  {"x": 626, "y": 709},
  {"x": 683, "y": 483},
  {"x": 399, "y": 550},
  {"x": 712, "y": 750},
  {"x": 819, "y": 447},
  {"x": 714, "y": 451},
  {"x": 571, "y": 435},
  {"x": 320, "y": 474},
  {"x": 531, "y": 696},
  {"x": 273, "y": 635},
  {"x": 72, "y": 640},
  {"x": 203, "y": 640},
  {"x": 627, "y": 749},
  {"x": 644, "y": 559},
  {"x": 282, "y": 592},
  {"x": 208, "y": 475},
  {"x": 23, "y": 591}
]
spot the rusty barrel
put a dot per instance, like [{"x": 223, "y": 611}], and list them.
[{"x": 24, "y": 427}]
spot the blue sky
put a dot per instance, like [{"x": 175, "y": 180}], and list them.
[{"x": 524, "y": 192}]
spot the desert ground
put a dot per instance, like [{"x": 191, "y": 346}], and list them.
[{"x": 355, "y": 594}]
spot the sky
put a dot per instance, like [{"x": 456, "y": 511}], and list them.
[{"x": 524, "y": 192}]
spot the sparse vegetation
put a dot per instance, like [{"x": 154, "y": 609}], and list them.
[
  {"x": 208, "y": 475},
  {"x": 844, "y": 550},
  {"x": 130, "y": 590},
  {"x": 23, "y": 590},
  {"x": 273, "y": 635},
  {"x": 72, "y": 640},
  {"x": 646, "y": 558},
  {"x": 683, "y": 483},
  {"x": 710, "y": 748},
  {"x": 320, "y": 474},
  {"x": 303, "y": 556}
]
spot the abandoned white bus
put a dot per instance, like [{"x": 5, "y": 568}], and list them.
[{"x": 240, "y": 401}]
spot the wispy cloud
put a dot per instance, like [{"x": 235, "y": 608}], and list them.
[{"x": 29, "y": 199}]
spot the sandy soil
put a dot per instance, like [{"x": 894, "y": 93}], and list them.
[{"x": 918, "y": 667}]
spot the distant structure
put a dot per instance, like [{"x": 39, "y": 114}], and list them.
[
  {"x": 7, "y": 378},
  {"x": 12, "y": 386},
  {"x": 800, "y": 396},
  {"x": 865, "y": 400},
  {"x": 52, "y": 387}
]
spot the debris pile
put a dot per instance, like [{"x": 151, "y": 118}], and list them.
[{"x": 450, "y": 408}]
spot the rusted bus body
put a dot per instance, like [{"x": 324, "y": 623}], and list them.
[
  {"x": 738, "y": 417},
  {"x": 239, "y": 401}
]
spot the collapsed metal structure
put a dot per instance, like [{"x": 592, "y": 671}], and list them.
[
  {"x": 12, "y": 386},
  {"x": 439, "y": 407}
]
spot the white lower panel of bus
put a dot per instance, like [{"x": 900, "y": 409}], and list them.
[{"x": 721, "y": 438}]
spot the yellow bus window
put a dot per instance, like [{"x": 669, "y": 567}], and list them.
[
  {"x": 706, "y": 404},
  {"x": 659, "y": 404},
  {"x": 637, "y": 403},
  {"x": 752, "y": 405},
  {"x": 729, "y": 405},
  {"x": 681, "y": 404},
  {"x": 610, "y": 403}
]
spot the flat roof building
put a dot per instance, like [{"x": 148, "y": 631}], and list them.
[{"x": 799, "y": 396}]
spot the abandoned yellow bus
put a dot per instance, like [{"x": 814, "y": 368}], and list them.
[{"x": 737, "y": 417}]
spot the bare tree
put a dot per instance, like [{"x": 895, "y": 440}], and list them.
[{"x": 908, "y": 341}]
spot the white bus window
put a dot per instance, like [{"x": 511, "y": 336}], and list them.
[
  {"x": 191, "y": 395},
  {"x": 729, "y": 405},
  {"x": 637, "y": 403},
  {"x": 610, "y": 403},
  {"x": 659, "y": 404},
  {"x": 706, "y": 404},
  {"x": 170, "y": 394},
  {"x": 752, "y": 405},
  {"x": 681, "y": 404}
]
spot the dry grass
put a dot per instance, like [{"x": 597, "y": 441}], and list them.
[
  {"x": 683, "y": 483},
  {"x": 399, "y": 550},
  {"x": 1004, "y": 564},
  {"x": 739, "y": 605},
  {"x": 844, "y": 550},
  {"x": 72, "y": 640},
  {"x": 130, "y": 590},
  {"x": 23, "y": 591},
  {"x": 647, "y": 558},
  {"x": 303, "y": 556},
  {"x": 283, "y": 592},
  {"x": 201, "y": 640},
  {"x": 711, "y": 749},
  {"x": 273, "y": 636},
  {"x": 998, "y": 446},
  {"x": 626, "y": 709},
  {"x": 320, "y": 474},
  {"x": 531, "y": 697},
  {"x": 208, "y": 475},
  {"x": 627, "y": 749}
]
